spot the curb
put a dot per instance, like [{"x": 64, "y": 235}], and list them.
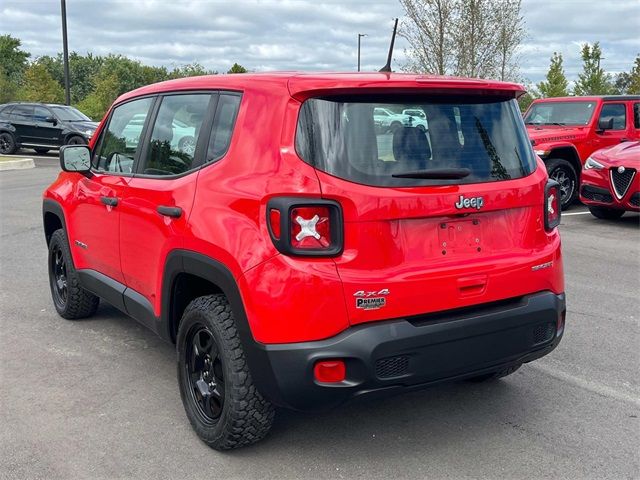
[{"x": 21, "y": 164}]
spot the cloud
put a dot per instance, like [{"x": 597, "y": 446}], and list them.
[{"x": 300, "y": 35}]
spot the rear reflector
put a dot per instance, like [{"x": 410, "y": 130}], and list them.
[
  {"x": 274, "y": 222},
  {"x": 329, "y": 371}
]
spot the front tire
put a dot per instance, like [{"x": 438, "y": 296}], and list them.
[
  {"x": 563, "y": 172},
  {"x": 76, "y": 140},
  {"x": 70, "y": 299},
  {"x": 222, "y": 403},
  {"x": 605, "y": 213},
  {"x": 8, "y": 144}
]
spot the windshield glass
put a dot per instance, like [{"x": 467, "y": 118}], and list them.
[
  {"x": 70, "y": 114},
  {"x": 345, "y": 137},
  {"x": 560, "y": 113}
]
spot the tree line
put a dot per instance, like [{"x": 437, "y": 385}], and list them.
[
  {"x": 481, "y": 38},
  {"x": 95, "y": 81}
]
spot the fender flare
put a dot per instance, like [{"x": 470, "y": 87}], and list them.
[
  {"x": 186, "y": 261},
  {"x": 52, "y": 206}
]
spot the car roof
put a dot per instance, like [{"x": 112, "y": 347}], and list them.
[
  {"x": 300, "y": 84},
  {"x": 605, "y": 98}
]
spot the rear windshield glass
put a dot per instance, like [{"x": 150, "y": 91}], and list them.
[
  {"x": 368, "y": 140},
  {"x": 560, "y": 113}
]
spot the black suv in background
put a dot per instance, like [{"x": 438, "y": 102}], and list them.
[{"x": 42, "y": 127}]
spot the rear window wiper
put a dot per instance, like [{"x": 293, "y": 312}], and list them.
[{"x": 436, "y": 174}]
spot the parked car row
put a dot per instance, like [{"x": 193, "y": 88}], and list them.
[
  {"x": 42, "y": 127},
  {"x": 388, "y": 121}
]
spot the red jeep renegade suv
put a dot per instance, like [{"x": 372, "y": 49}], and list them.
[
  {"x": 566, "y": 130},
  {"x": 298, "y": 256}
]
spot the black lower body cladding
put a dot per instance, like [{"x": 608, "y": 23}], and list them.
[{"x": 406, "y": 354}]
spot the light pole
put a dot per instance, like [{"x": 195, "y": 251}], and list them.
[
  {"x": 360, "y": 35},
  {"x": 65, "y": 52}
]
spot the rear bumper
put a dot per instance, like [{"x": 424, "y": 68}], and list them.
[{"x": 405, "y": 354}]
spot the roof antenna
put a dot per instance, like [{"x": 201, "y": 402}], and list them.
[{"x": 387, "y": 67}]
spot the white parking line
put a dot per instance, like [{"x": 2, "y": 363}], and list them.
[
  {"x": 574, "y": 213},
  {"x": 589, "y": 385}
]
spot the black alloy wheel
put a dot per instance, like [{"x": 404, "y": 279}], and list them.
[
  {"x": 7, "y": 143},
  {"x": 563, "y": 172},
  {"x": 59, "y": 285},
  {"x": 204, "y": 371}
]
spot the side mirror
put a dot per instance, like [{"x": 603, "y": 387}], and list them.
[
  {"x": 605, "y": 124},
  {"x": 51, "y": 120},
  {"x": 75, "y": 158}
]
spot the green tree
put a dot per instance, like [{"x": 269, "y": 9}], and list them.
[
  {"x": 237, "y": 68},
  {"x": 593, "y": 80},
  {"x": 556, "y": 84},
  {"x": 525, "y": 100},
  {"x": 107, "y": 89},
  {"x": 8, "y": 89},
  {"x": 82, "y": 69},
  {"x": 13, "y": 60},
  {"x": 190, "y": 70},
  {"x": 39, "y": 86},
  {"x": 633, "y": 86}
]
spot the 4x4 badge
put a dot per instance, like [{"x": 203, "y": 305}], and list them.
[
  {"x": 371, "y": 300},
  {"x": 475, "y": 202}
]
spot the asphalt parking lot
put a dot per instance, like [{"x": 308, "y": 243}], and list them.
[{"x": 98, "y": 398}]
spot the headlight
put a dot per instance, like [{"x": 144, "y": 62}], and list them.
[
  {"x": 591, "y": 163},
  {"x": 541, "y": 153},
  {"x": 89, "y": 132}
]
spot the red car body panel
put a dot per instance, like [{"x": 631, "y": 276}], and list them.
[
  {"x": 625, "y": 155},
  {"x": 393, "y": 236}
]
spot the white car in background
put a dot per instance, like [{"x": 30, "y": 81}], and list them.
[{"x": 388, "y": 121}]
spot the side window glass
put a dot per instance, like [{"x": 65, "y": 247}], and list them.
[
  {"x": 121, "y": 138},
  {"x": 615, "y": 113},
  {"x": 40, "y": 114},
  {"x": 636, "y": 115},
  {"x": 22, "y": 113},
  {"x": 224, "y": 120},
  {"x": 175, "y": 134}
]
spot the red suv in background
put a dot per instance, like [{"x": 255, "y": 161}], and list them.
[
  {"x": 566, "y": 130},
  {"x": 300, "y": 257}
]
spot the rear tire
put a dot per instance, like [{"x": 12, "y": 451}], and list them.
[
  {"x": 222, "y": 403},
  {"x": 495, "y": 375},
  {"x": 7, "y": 143},
  {"x": 563, "y": 172},
  {"x": 76, "y": 140},
  {"x": 606, "y": 213},
  {"x": 41, "y": 151},
  {"x": 70, "y": 299}
]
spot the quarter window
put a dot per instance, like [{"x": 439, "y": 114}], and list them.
[
  {"x": 224, "y": 121},
  {"x": 615, "y": 113},
  {"x": 120, "y": 140},
  {"x": 172, "y": 147}
]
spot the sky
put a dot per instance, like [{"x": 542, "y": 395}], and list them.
[{"x": 316, "y": 35}]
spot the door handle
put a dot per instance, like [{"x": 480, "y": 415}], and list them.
[
  {"x": 173, "y": 212},
  {"x": 109, "y": 201}
]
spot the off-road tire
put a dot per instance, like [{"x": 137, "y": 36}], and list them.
[
  {"x": 79, "y": 302},
  {"x": 8, "y": 144},
  {"x": 246, "y": 415},
  {"x": 495, "y": 375},
  {"x": 41, "y": 151},
  {"x": 606, "y": 213},
  {"x": 560, "y": 169},
  {"x": 76, "y": 140}
]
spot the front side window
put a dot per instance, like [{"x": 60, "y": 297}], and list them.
[
  {"x": 224, "y": 120},
  {"x": 40, "y": 114},
  {"x": 614, "y": 115},
  {"x": 70, "y": 114},
  {"x": 120, "y": 140},
  {"x": 560, "y": 113},
  {"x": 175, "y": 133},
  {"x": 483, "y": 138}
]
